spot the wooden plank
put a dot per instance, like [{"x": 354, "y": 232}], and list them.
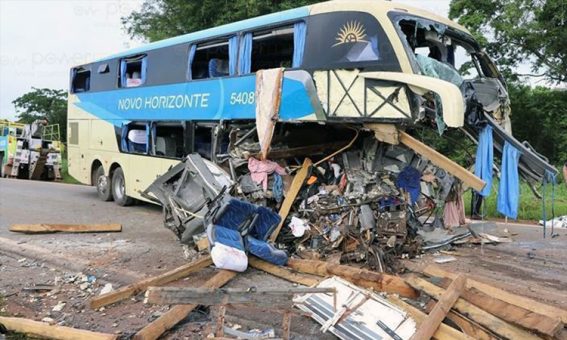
[
  {"x": 441, "y": 161},
  {"x": 65, "y": 228},
  {"x": 517, "y": 300},
  {"x": 467, "y": 326},
  {"x": 387, "y": 133},
  {"x": 283, "y": 272},
  {"x": 291, "y": 194},
  {"x": 364, "y": 278},
  {"x": 276, "y": 298},
  {"x": 444, "y": 332},
  {"x": 517, "y": 315},
  {"x": 176, "y": 314},
  {"x": 44, "y": 330},
  {"x": 437, "y": 315},
  {"x": 496, "y": 325},
  {"x": 140, "y": 286}
]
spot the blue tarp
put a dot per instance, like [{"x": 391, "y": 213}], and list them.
[
  {"x": 299, "y": 33},
  {"x": 509, "y": 189},
  {"x": 245, "y": 62},
  {"x": 484, "y": 159}
]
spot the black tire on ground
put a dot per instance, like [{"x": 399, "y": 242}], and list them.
[
  {"x": 103, "y": 184},
  {"x": 119, "y": 189}
]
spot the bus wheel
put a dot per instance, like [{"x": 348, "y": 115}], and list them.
[
  {"x": 102, "y": 183},
  {"x": 119, "y": 189}
]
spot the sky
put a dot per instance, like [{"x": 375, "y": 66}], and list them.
[{"x": 40, "y": 40}]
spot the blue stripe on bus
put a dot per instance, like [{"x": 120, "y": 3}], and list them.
[
  {"x": 215, "y": 99},
  {"x": 239, "y": 26}
]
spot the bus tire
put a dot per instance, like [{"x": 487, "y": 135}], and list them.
[
  {"x": 119, "y": 189},
  {"x": 103, "y": 184}
]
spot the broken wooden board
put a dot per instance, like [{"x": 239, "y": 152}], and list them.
[
  {"x": 491, "y": 322},
  {"x": 466, "y": 325},
  {"x": 542, "y": 324},
  {"x": 65, "y": 228},
  {"x": 442, "y": 161},
  {"x": 283, "y": 272},
  {"x": 268, "y": 97},
  {"x": 138, "y": 287},
  {"x": 291, "y": 194},
  {"x": 45, "y": 330},
  {"x": 165, "y": 322},
  {"x": 387, "y": 133},
  {"x": 206, "y": 296},
  {"x": 431, "y": 323},
  {"x": 520, "y": 301},
  {"x": 371, "y": 316},
  {"x": 444, "y": 332},
  {"x": 361, "y": 277}
]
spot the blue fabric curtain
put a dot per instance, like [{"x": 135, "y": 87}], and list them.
[
  {"x": 123, "y": 73},
  {"x": 144, "y": 69},
  {"x": 232, "y": 55},
  {"x": 124, "y": 138},
  {"x": 245, "y": 61},
  {"x": 190, "y": 59},
  {"x": 509, "y": 189},
  {"x": 299, "y": 30},
  {"x": 485, "y": 159}
]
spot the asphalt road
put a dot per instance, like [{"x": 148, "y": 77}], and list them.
[{"x": 143, "y": 248}]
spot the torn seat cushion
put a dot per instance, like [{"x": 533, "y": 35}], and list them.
[
  {"x": 266, "y": 251},
  {"x": 265, "y": 224},
  {"x": 234, "y": 213},
  {"x": 227, "y": 248}
]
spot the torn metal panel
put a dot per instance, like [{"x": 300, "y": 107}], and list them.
[
  {"x": 361, "y": 314},
  {"x": 268, "y": 97},
  {"x": 183, "y": 192}
]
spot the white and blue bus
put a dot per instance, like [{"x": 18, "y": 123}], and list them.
[{"x": 132, "y": 115}]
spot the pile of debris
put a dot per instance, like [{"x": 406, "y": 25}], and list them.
[{"x": 344, "y": 196}]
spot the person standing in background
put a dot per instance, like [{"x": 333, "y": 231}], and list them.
[{"x": 565, "y": 172}]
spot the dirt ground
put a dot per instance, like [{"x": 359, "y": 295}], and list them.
[{"x": 76, "y": 267}]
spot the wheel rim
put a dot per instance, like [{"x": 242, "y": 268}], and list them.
[
  {"x": 119, "y": 188},
  {"x": 102, "y": 184}
]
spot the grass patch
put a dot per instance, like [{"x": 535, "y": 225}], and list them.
[
  {"x": 530, "y": 206},
  {"x": 65, "y": 177}
]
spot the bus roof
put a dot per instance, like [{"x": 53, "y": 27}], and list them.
[{"x": 283, "y": 16}]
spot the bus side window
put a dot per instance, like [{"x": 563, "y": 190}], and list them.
[
  {"x": 133, "y": 71},
  {"x": 273, "y": 48},
  {"x": 213, "y": 59},
  {"x": 81, "y": 81},
  {"x": 168, "y": 140}
]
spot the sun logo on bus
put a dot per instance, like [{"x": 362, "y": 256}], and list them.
[{"x": 351, "y": 32}]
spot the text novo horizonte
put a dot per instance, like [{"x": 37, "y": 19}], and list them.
[{"x": 180, "y": 101}]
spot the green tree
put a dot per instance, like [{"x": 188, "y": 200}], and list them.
[
  {"x": 518, "y": 32},
  {"x": 160, "y": 19},
  {"x": 50, "y": 104},
  {"x": 539, "y": 115}
]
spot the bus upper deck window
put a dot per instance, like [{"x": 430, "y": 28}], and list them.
[
  {"x": 133, "y": 71},
  {"x": 213, "y": 59},
  {"x": 81, "y": 81}
]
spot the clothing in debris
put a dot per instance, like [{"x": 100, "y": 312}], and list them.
[
  {"x": 409, "y": 180},
  {"x": 454, "y": 211},
  {"x": 484, "y": 159},
  {"x": 509, "y": 189},
  {"x": 260, "y": 170}
]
